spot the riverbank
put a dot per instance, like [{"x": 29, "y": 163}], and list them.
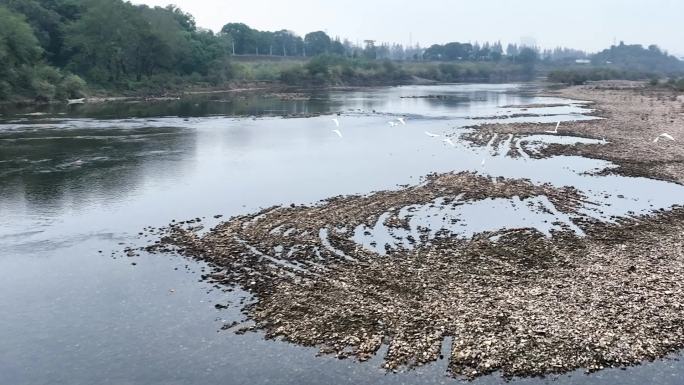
[{"x": 515, "y": 301}]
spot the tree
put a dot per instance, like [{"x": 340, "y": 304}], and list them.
[
  {"x": 317, "y": 43},
  {"x": 48, "y": 19},
  {"x": 434, "y": 52},
  {"x": 286, "y": 43},
  {"x": 634, "y": 57},
  {"x": 528, "y": 57},
  {"x": 242, "y": 37},
  {"x": 19, "y": 50},
  {"x": 23, "y": 72}
]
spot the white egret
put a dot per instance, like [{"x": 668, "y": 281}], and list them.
[
  {"x": 556, "y": 130},
  {"x": 430, "y": 134},
  {"x": 338, "y": 132},
  {"x": 663, "y": 135}
]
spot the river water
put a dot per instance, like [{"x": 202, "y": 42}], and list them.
[{"x": 78, "y": 182}]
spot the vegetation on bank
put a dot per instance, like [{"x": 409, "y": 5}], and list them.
[
  {"x": 580, "y": 75},
  {"x": 339, "y": 70},
  {"x": 622, "y": 62},
  {"x": 672, "y": 83},
  {"x": 61, "y": 49}
]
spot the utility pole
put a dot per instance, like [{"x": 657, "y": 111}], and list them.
[{"x": 233, "y": 42}]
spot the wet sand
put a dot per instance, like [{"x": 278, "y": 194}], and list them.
[{"x": 513, "y": 301}]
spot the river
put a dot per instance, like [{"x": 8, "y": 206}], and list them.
[{"x": 79, "y": 182}]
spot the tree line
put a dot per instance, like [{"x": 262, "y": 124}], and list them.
[{"x": 54, "y": 49}]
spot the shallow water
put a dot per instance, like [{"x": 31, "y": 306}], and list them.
[{"x": 82, "y": 179}]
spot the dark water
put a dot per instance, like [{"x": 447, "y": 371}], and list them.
[{"x": 77, "y": 180}]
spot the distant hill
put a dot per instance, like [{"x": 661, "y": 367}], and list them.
[{"x": 635, "y": 57}]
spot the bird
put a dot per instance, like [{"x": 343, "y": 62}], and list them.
[
  {"x": 430, "y": 134},
  {"x": 338, "y": 132},
  {"x": 556, "y": 130},
  {"x": 663, "y": 135},
  {"x": 402, "y": 121},
  {"x": 483, "y": 162},
  {"x": 392, "y": 124},
  {"x": 336, "y": 121},
  {"x": 449, "y": 142}
]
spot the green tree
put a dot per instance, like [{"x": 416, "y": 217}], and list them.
[
  {"x": 317, "y": 43},
  {"x": 242, "y": 37},
  {"x": 19, "y": 51}
]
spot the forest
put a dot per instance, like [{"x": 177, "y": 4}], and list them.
[{"x": 62, "y": 49}]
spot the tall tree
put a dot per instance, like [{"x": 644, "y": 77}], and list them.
[{"x": 317, "y": 43}]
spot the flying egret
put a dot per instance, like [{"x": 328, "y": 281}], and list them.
[
  {"x": 663, "y": 135},
  {"x": 449, "y": 142},
  {"x": 556, "y": 130},
  {"x": 402, "y": 121},
  {"x": 336, "y": 121},
  {"x": 338, "y": 132},
  {"x": 430, "y": 134}
]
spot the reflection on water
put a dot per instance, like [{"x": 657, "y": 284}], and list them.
[{"x": 78, "y": 180}]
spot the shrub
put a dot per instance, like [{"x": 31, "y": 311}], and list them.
[{"x": 71, "y": 87}]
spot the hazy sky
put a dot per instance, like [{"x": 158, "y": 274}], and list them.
[{"x": 585, "y": 24}]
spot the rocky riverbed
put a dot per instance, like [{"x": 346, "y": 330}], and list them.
[{"x": 587, "y": 294}]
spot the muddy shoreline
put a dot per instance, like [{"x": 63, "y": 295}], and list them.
[{"x": 514, "y": 301}]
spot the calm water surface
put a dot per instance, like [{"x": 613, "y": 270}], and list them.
[{"x": 77, "y": 181}]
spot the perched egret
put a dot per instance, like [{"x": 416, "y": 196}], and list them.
[
  {"x": 430, "y": 134},
  {"x": 338, "y": 132},
  {"x": 663, "y": 135}
]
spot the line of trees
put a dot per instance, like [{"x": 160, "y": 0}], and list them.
[
  {"x": 244, "y": 40},
  {"x": 637, "y": 58},
  {"x": 50, "y": 49}
]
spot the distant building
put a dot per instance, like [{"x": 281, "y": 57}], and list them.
[{"x": 583, "y": 61}]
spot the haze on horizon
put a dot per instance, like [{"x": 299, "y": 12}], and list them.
[{"x": 583, "y": 24}]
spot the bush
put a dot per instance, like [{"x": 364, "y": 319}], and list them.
[
  {"x": 676, "y": 84},
  {"x": 293, "y": 76},
  {"x": 43, "y": 91},
  {"x": 71, "y": 87}
]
